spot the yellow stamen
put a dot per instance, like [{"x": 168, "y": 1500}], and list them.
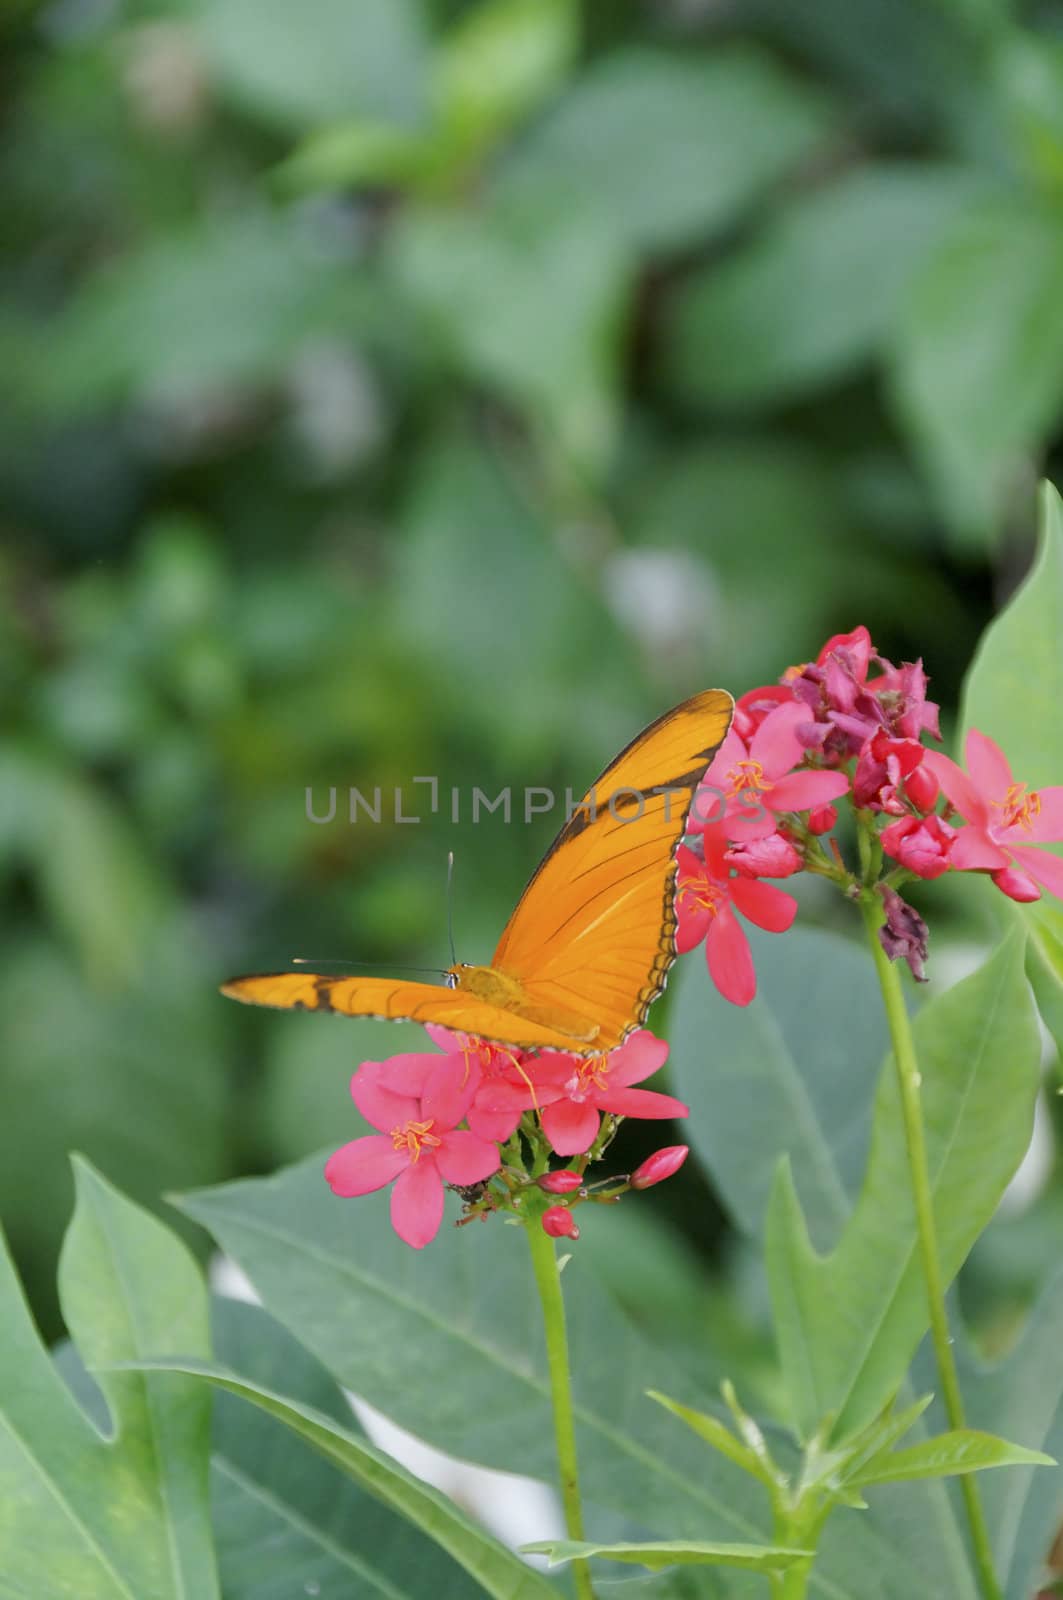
[
  {"x": 1019, "y": 807},
  {"x": 413, "y": 1137},
  {"x": 747, "y": 777},
  {"x": 706, "y": 896}
]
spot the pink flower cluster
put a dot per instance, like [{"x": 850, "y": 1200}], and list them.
[
  {"x": 849, "y": 722},
  {"x": 444, "y": 1118}
]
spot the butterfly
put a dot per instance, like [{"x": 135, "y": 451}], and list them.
[{"x": 588, "y": 948}]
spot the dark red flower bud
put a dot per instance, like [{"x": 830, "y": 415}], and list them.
[
  {"x": 561, "y": 1182},
  {"x": 662, "y": 1164},
  {"x": 559, "y": 1223},
  {"x": 822, "y": 819}
]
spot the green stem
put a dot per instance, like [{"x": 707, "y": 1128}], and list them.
[
  {"x": 548, "y": 1282},
  {"x": 909, "y": 1081}
]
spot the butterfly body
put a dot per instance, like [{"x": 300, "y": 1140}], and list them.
[{"x": 588, "y": 948}]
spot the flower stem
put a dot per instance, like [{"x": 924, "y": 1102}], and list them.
[
  {"x": 909, "y": 1081},
  {"x": 548, "y": 1282}
]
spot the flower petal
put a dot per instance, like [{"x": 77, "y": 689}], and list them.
[
  {"x": 444, "y": 1038},
  {"x": 417, "y": 1203},
  {"x": 729, "y": 959},
  {"x": 957, "y": 787},
  {"x": 450, "y": 1089},
  {"x": 802, "y": 791},
  {"x": 988, "y": 765},
  {"x": 407, "y": 1074},
  {"x": 692, "y": 924},
  {"x": 364, "y": 1165},
  {"x": 1047, "y": 826},
  {"x": 494, "y": 1126},
  {"x": 379, "y": 1104},
  {"x": 974, "y": 851},
  {"x": 571, "y": 1126},
  {"x": 640, "y": 1055},
  {"x": 770, "y": 908},
  {"x": 464, "y": 1158},
  {"x": 775, "y": 744},
  {"x": 645, "y": 1103},
  {"x": 1044, "y": 868}
]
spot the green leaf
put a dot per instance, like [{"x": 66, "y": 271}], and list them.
[
  {"x": 658, "y": 150},
  {"x": 498, "y": 1570},
  {"x": 978, "y": 361},
  {"x": 386, "y": 1321},
  {"x": 849, "y": 1322},
  {"x": 812, "y": 297},
  {"x": 285, "y": 1518},
  {"x": 805, "y": 1053},
  {"x": 719, "y": 1436},
  {"x": 90, "y": 1517},
  {"x": 302, "y": 66},
  {"x": 499, "y": 61},
  {"x": 493, "y": 1567},
  {"x": 961, "y": 1450},
  {"x": 751, "y": 1558},
  {"x": 1022, "y": 1397},
  {"x": 1013, "y": 693}
]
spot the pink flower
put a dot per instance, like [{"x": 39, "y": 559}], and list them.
[
  {"x": 707, "y": 897},
  {"x": 922, "y": 844},
  {"x": 847, "y": 707},
  {"x": 571, "y": 1091},
  {"x": 752, "y": 707},
  {"x": 662, "y": 1164},
  {"x": 748, "y": 787},
  {"x": 559, "y": 1223},
  {"x": 882, "y": 768},
  {"x": 419, "y": 1151},
  {"x": 461, "y": 1081},
  {"x": 1005, "y": 820},
  {"x": 775, "y": 856}
]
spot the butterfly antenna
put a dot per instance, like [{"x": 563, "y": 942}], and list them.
[
  {"x": 450, "y": 907},
  {"x": 376, "y": 966}
]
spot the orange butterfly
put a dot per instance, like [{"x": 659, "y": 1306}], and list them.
[{"x": 588, "y": 948}]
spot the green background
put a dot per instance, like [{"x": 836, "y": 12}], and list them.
[{"x": 398, "y": 389}]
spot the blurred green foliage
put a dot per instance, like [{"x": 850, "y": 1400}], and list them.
[{"x": 402, "y": 389}]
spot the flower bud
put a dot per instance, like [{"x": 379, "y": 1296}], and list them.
[
  {"x": 662, "y": 1164},
  {"x": 821, "y": 819},
  {"x": 561, "y": 1182},
  {"x": 922, "y": 789},
  {"x": 1015, "y": 884},
  {"x": 922, "y": 844},
  {"x": 559, "y": 1223},
  {"x": 775, "y": 856}
]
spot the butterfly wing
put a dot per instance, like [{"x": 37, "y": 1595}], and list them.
[
  {"x": 390, "y": 999},
  {"x": 594, "y": 932}
]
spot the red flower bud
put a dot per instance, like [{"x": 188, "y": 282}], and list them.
[
  {"x": 922, "y": 789},
  {"x": 773, "y": 857},
  {"x": 1015, "y": 884},
  {"x": 662, "y": 1164},
  {"x": 561, "y": 1182},
  {"x": 922, "y": 844},
  {"x": 559, "y": 1223},
  {"x": 822, "y": 819}
]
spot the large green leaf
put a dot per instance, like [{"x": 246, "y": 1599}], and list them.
[
  {"x": 84, "y": 1516},
  {"x": 659, "y": 149},
  {"x": 979, "y": 356},
  {"x": 1021, "y": 1397},
  {"x": 388, "y": 1321},
  {"x": 499, "y": 1572},
  {"x": 812, "y": 297},
  {"x": 285, "y": 1517},
  {"x": 805, "y": 1055},
  {"x": 1013, "y": 693},
  {"x": 849, "y": 1322}
]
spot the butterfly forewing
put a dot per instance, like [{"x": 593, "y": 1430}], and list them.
[{"x": 594, "y": 931}]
